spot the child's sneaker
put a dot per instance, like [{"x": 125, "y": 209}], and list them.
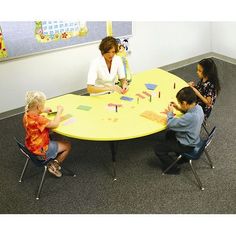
[
  {"x": 53, "y": 170},
  {"x": 56, "y": 164}
]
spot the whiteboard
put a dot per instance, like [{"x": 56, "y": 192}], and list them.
[{"x": 20, "y": 39}]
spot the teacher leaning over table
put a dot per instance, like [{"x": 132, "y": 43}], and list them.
[{"x": 104, "y": 70}]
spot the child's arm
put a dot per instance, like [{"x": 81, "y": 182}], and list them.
[
  {"x": 206, "y": 100},
  {"x": 178, "y": 124},
  {"x": 54, "y": 123}
]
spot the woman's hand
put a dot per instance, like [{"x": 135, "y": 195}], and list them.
[
  {"x": 125, "y": 88},
  {"x": 117, "y": 89}
]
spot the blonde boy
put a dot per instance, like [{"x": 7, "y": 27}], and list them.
[{"x": 37, "y": 129}]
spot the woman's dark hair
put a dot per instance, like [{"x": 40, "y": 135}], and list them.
[
  {"x": 107, "y": 44},
  {"x": 210, "y": 71},
  {"x": 186, "y": 94}
]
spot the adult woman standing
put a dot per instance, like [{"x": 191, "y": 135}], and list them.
[{"x": 104, "y": 70}]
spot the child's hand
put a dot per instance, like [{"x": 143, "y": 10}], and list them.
[
  {"x": 47, "y": 109},
  {"x": 191, "y": 84},
  {"x": 60, "y": 109},
  {"x": 170, "y": 107},
  {"x": 174, "y": 105}
]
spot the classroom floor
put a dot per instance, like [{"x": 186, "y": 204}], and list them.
[{"x": 140, "y": 187}]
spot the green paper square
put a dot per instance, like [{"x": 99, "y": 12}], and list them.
[{"x": 84, "y": 108}]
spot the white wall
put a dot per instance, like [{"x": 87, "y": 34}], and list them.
[
  {"x": 224, "y": 38},
  {"x": 157, "y": 44},
  {"x": 153, "y": 44},
  {"x": 55, "y": 73}
]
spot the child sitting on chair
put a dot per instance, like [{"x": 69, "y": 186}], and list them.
[
  {"x": 182, "y": 133},
  {"x": 208, "y": 87},
  {"x": 37, "y": 132}
]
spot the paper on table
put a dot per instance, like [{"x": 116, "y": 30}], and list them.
[
  {"x": 126, "y": 98},
  {"x": 84, "y": 108},
  {"x": 146, "y": 93},
  {"x": 154, "y": 117},
  {"x": 69, "y": 121},
  {"x": 140, "y": 95},
  {"x": 113, "y": 105},
  {"x": 151, "y": 86}
]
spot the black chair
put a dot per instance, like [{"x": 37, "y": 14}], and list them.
[
  {"x": 204, "y": 125},
  {"x": 39, "y": 162},
  {"x": 195, "y": 155}
]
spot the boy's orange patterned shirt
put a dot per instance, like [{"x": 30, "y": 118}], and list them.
[{"x": 37, "y": 135}]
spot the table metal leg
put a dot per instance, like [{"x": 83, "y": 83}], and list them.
[{"x": 113, "y": 146}]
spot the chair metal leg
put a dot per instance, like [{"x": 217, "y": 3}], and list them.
[
  {"x": 204, "y": 126},
  {"x": 41, "y": 183},
  {"x": 196, "y": 176},
  {"x": 23, "y": 171},
  {"x": 209, "y": 159},
  {"x": 69, "y": 171},
  {"x": 168, "y": 168}
]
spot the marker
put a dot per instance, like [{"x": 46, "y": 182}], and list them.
[
  {"x": 52, "y": 113},
  {"x": 159, "y": 94},
  {"x": 116, "y": 108},
  {"x": 150, "y": 98},
  {"x": 174, "y": 85},
  {"x": 137, "y": 100}
]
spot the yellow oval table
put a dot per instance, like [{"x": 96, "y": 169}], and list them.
[{"x": 109, "y": 118}]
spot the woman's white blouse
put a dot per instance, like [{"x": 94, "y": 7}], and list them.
[{"x": 99, "y": 74}]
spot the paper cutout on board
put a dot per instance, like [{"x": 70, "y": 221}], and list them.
[
  {"x": 3, "y": 50},
  {"x": 123, "y": 51}
]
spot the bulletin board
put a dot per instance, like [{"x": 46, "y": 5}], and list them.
[{"x": 25, "y": 38}]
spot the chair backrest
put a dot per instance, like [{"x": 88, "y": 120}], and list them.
[
  {"x": 210, "y": 137},
  {"x": 37, "y": 160}
]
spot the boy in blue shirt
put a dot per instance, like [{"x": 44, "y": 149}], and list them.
[{"x": 182, "y": 133}]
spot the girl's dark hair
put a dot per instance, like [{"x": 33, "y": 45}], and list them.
[
  {"x": 107, "y": 44},
  {"x": 186, "y": 94},
  {"x": 210, "y": 71}
]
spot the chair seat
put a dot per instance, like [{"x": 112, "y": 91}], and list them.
[
  {"x": 195, "y": 153},
  {"x": 38, "y": 161}
]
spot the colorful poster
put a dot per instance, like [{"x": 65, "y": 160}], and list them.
[
  {"x": 3, "y": 50},
  {"x": 47, "y": 31},
  {"x": 25, "y": 38}
]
